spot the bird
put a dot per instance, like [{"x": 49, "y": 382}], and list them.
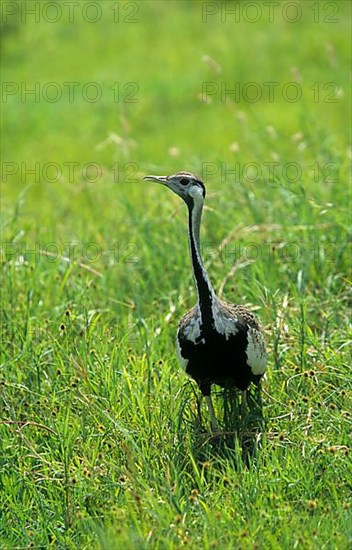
[{"x": 217, "y": 342}]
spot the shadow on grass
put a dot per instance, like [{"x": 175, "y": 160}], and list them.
[{"x": 241, "y": 439}]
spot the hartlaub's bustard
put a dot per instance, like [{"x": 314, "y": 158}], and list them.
[{"x": 217, "y": 342}]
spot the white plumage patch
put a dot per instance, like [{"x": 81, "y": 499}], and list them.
[
  {"x": 256, "y": 354},
  {"x": 224, "y": 324},
  {"x": 197, "y": 194},
  {"x": 182, "y": 360},
  {"x": 190, "y": 332}
]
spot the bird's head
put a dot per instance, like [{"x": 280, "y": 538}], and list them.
[{"x": 186, "y": 185}]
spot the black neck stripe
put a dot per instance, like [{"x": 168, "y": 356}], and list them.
[{"x": 204, "y": 292}]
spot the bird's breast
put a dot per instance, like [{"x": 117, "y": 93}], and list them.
[{"x": 233, "y": 355}]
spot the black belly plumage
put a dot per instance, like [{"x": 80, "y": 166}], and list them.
[{"x": 213, "y": 359}]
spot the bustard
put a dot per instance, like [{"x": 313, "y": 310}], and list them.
[{"x": 217, "y": 342}]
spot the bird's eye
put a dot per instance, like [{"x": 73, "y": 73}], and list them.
[{"x": 184, "y": 181}]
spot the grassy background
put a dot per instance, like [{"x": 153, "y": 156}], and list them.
[{"x": 101, "y": 442}]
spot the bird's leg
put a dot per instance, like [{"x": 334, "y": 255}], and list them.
[
  {"x": 214, "y": 423},
  {"x": 258, "y": 392},
  {"x": 243, "y": 403}
]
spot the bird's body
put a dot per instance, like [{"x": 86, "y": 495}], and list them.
[
  {"x": 207, "y": 354},
  {"x": 217, "y": 342}
]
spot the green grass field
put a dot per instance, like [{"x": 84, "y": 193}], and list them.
[{"x": 104, "y": 441}]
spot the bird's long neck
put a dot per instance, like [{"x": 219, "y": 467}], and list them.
[{"x": 205, "y": 291}]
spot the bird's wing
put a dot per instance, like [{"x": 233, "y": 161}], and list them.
[
  {"x": 256, "y": 354},
  {"x": 188, "y": 331}
]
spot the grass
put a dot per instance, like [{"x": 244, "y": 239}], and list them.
[{"x": 103, "y": 440}]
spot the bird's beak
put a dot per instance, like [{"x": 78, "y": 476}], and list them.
[{"x": 159, "y": 179}]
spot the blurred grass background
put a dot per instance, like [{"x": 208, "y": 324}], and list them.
[{"x": 96, "y": 272}]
